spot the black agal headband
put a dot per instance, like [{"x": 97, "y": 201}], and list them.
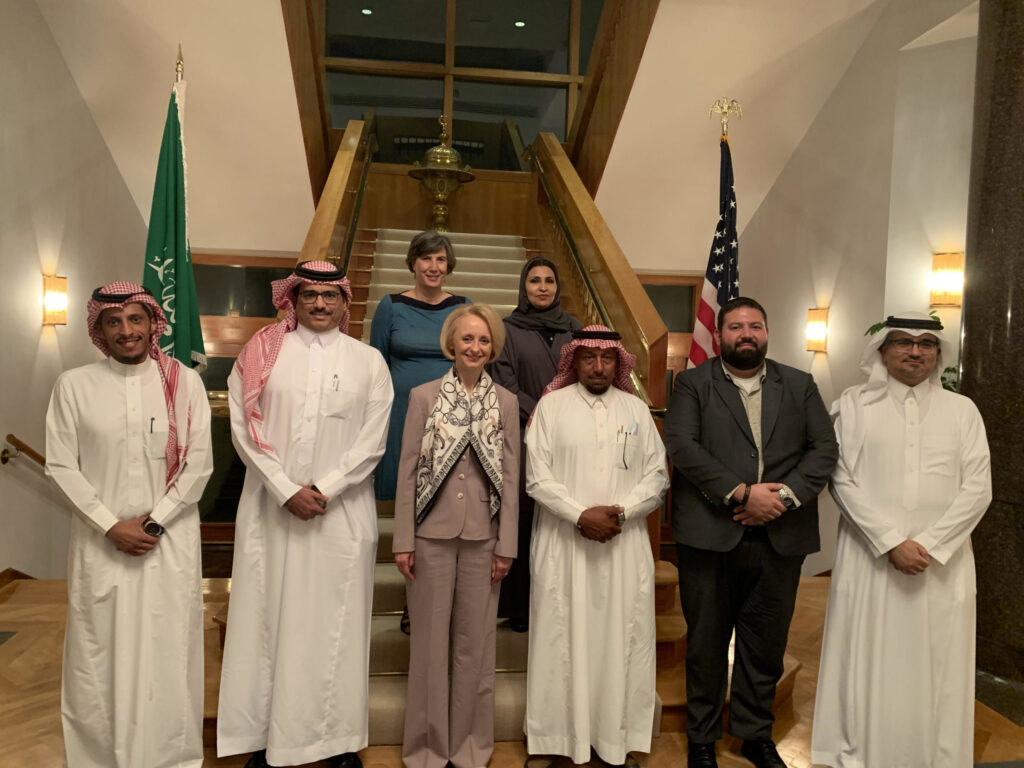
[
  {"x": 306, "y": 273},
  {"x": 931, "y": 324}
]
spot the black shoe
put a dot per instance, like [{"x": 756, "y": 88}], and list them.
[
  {"x": 762, "y": 753},
  {"x": 519, "y": 625},
  {"x": 348, "y": 760},
  {"x": 258, "y": 760},
  {"x": 701, "y": 756}
]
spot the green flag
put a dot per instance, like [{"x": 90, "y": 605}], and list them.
[{"x": 168, "y": 269}]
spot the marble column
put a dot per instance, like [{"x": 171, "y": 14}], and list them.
[{"x": 993, "y": 323}]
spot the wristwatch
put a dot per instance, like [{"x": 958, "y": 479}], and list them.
[
  {"x": 787, "y": 498},
  {"x": 622, "y": 518},
  {"x": 153, "y": 528}
]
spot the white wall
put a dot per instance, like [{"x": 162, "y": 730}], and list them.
[
  {"x": 64, "y": 208},
  {"x": 930, "y": 171}
]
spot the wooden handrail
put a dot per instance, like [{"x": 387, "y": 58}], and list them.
[
  {"x": 21, "y": 447},
  {"x": 330, "y": 233},
  {"x": 618, "y": 293}
]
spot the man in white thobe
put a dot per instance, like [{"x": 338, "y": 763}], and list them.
[
  {"x": 128, "y": 442},
  {"x": 309, "y": 416},
  {"x": 896, "y": 683},
  {"x": 596, "y": 468}
]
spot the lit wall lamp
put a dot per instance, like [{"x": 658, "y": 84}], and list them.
[
  {"x": 946, "y": 281},
  {"x": 55, "y": 300},
  {"x": 817, "y": 330}
]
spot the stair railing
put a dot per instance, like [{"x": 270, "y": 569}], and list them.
[
  {"x": 596, "y": 270},
  {"x": 21, "y": 448},
  {"x": 333, "y": 228}
]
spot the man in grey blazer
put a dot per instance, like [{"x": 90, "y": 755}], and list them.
[{"x": 752, "y": 447}]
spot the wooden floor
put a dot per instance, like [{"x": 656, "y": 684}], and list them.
[{"x": 30, "y": 735}]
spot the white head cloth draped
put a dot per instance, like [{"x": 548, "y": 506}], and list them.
[
  {"x": 118, "y": 295},
  {"x": 257, "y": 358},
  {"x": 852, "y": 402}
]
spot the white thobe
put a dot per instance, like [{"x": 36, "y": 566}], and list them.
[
  {"x": 591, "y": 669},
  {"x": 896, "y": 683},
  {"x": 296, "y": 655},
  {"x": 132, "y": 684}
]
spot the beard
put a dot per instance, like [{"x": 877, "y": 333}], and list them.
[{"x": 747, "y": 358}]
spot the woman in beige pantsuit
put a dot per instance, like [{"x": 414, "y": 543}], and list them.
[{"x": 455, "y": 539}]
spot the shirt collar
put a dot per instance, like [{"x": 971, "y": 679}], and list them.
[
  {"x": 589, "y": 397},
  {"x": 760, "y": 374},
  {"x": 137, "y": 369},
  {"x": 900, "y": 391},
  {"x": 326, "y": 337}
]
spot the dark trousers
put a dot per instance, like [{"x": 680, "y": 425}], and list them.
[{"x": 751, "y": 589}]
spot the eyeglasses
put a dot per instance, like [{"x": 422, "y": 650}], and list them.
[
  {"x": 330, "y": 297},
  {"x": 905, "y": 345}
]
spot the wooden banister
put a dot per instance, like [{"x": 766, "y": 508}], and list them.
[
  {"x": 618, "y": 293},
  {"x": 21, "y": 448},
  {"x": 331, "y": 232}
]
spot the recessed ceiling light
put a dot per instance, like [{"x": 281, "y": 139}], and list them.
[
  {"x": 367, "y": 11},
  {"x": 519, "y": 24}
]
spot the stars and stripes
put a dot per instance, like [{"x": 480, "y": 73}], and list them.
[{"x": 722, "y": 279}]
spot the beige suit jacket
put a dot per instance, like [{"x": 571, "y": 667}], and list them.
[{"x": 461, "y": 507}]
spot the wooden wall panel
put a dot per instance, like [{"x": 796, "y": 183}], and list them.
[
  {"x": 496, "y": 202},
  {"x": 618, "y": 47}
]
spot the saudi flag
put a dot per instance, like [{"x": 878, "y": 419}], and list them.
[{"x": 168, "y": 269}]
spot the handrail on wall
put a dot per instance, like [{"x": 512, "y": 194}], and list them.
[
  {"x": 21, "y": 448},
  {"x": 613, "y": 289},
  {"x": 332, "y": 230}
]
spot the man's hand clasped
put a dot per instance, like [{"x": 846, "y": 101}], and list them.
[
  {"x": 600, "y": 523},
  {"x": 307, "y": 504},
  {"x": 909, "y": 558},
  {"x": 129, "y": 537},
  {"x": 763, "y": 505}
]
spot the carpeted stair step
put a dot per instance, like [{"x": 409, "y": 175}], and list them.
[
  {"x": 389, "y": 647},
  {"x": 457, "y": 238},
  {"x": 387, "y": 707},
  {"x": 386, "y": 535},
  {"x": 387, "y": 281},
  {"x": 506, "y": 261},
  {"x": 388, "y": 590}
]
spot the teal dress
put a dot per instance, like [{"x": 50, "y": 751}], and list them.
[{"x": 407, "y": 332}]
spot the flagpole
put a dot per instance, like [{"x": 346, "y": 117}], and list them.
[{"x": 179, "y": 67}]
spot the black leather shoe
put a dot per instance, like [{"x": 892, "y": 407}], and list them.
[
  {"x": 519, "y": 625},
  {"x": 701, "y": 756},
  {"x": 258, "y": 760},
  {"x": 762, "y": 753},
  {"x": 348, "y": 760}
]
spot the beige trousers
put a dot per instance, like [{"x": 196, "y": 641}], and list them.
[{"x": 453, "y": 609}]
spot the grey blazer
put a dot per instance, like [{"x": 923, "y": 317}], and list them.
[
  {"x": 461, "y": 507},
  {"x": 712, "y": 449}
]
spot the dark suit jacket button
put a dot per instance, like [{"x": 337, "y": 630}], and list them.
[{"x": 753, "y": 454}]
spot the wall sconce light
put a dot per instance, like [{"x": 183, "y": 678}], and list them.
[
  {"x": 946, "y": 282},
  {"x": 55, "y": 300},
  {"x": 817, "y": 330}
]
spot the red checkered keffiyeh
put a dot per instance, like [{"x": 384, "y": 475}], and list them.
[
  {"x": 596, "y": 337},
  {"x": 117, "y": 295},
  {"x": 257, "y": 358}
]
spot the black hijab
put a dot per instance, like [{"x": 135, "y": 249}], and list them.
[{"x": 528, "y": 317}]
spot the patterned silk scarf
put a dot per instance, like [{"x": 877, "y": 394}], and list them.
[{"x": 458, "y": 420}]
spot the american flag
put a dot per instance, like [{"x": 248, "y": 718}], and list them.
[{"x": 722, "y": 280}]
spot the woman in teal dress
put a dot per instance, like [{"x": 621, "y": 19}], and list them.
[{"x": 405, "y": 330}]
